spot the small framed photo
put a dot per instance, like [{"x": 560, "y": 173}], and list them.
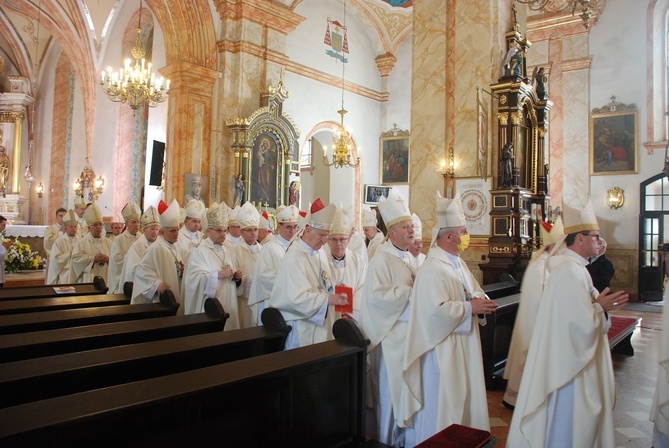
[
  {"x": 613, "y": 142},
  {"x": 394, "y": 157},
  {"x": 375, "y": 192}
]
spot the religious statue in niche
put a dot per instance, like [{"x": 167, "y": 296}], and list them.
[
  {"x": 4, "y": 168},
  {"x": 505, "y": 166},
  {"x": 294, "y": 193},
  {"x": 240, "y": 188},
  {"x": 540, "y": 78},
  {"x": 513, "y": 63},
  {"x": 263, "y": 188}
]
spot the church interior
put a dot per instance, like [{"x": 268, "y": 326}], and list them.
[{"x": 516, "y": 106}]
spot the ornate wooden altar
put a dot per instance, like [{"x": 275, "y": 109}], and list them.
[
  {"x": 266, "y": 151},
  {"x": 520, "y": 198}
]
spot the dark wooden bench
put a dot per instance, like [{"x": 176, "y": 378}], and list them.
[
  {"x": 43, "y": 291},
  {"x": 308, "y": 397},
  {"x": 54, "y": 376},
  {"x": 23, "y": 306},
  {"x": 496, "y": 334},
  {"x": 49, "y": 320},
  {"x": 15, "y": 347},
  {"x": 620, "y": 334}
]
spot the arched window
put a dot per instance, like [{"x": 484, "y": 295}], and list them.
[{"x": 657, "y": 17}]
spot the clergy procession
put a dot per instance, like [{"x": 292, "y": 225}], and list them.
[{"x": 422, "y": 313}]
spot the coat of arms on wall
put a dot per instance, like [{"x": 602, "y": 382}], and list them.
[{"x": 337, "y": 40}]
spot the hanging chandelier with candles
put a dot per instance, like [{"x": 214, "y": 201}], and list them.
[
  {"x": 135, "y": 85},
  {"x": 587, "y": 9},
  {"x": 341, "y": 141}
]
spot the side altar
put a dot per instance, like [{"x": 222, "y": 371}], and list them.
[{"x": 520, "y": 198}]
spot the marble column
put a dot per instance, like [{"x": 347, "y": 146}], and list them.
[
  {"x": 252, "y": 51},
  {"x": 188, "y": 142}
]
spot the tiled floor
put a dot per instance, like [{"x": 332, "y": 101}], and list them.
[{"x": 635, "y": 385}]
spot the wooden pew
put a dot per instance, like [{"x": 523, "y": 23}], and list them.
[
  {"x": 49, "y": 320},
  {"x": 23, "y": 306},
  {"x": 308, "y": 397},
  {"x": 16, "y": 347},
  {"x": 496, "y": 334},
  {"x": 54, "y": 376},
  {"x": 35, "y": 292}
]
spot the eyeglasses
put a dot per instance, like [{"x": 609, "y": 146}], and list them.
[
  {"x": 250, "y": 230},
  {"x": 338, "y": 240},
  {"x": 595, "y": 235},
  {"x": 289, "y": 228}
]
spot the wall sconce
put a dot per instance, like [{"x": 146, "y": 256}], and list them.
[
  {"x": 450, "y": 172},
  {"x": 615, "y": 198},
  {"x": 39, "y": 190}
]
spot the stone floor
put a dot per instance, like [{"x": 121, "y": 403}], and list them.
[{"x": 635, "y": 384}]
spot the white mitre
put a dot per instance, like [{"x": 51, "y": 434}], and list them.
[
  {"x": 579, "y": 219},
  {"x": 417, "y": 227},
  {"x": 93, "y": 214},
  {"x": 248, "y": 216},
  {"x": 394, "y": 208},
  {"x": 170, "y": 217},
  {"x": 368, "y": 217},
  {"x": 342, "y": 221},
  {"x": 195, "y": 209},
  {"x": 131, "y": 211},
  {"x": 150, "y": 217},
  {"x": 70, "y": 218},
  {"x": 218, "y": 216},
  {"x": 320, "y": 216},
  {"x": 287, "y": 214}
]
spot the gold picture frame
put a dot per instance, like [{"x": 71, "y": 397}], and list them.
[
  {"x": 394, "y": 154},
  {"x": 614, "y": 133}
]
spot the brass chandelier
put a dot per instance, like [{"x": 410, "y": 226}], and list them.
[
  {"x": 136, "y": 85},
  {"x": 586, "y": 8}
]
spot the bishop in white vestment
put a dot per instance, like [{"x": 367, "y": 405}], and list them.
[
  {"x": 384, "y": 315},
  {"x": 246, "y": 252},
  {"x": 373, "y": 236},
  {"x": 443, "y": 365},
  {"x": 267, "y": 265},
  {"x": 531, "y": 290},
  {"x": 58, "y": 272},
  {"x": 303, "y": 290},
  {"x": 151, "y": 225},
  {"x": 416, "y": 248},
  {"x": 55, "y": 230},
  {"x": 162, "y": 266},
  {"x": 90, "y": 255},
  {"x": 120, "y": 246},
  {"x": 212, "y": 271},
  {"x": 191, "y": 234},
  {"x": 567, "y": 391},
  {"x": 660, "y": 409}
]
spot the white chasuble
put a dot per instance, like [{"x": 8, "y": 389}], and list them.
[
  {"x": 59, "y": 261},
  {"x": 82, "y": 267},
  {"x": 51, "y": 234},
  {"x": 160, "y": 264},
  {"x": 132, "y": 259},
  {"x": 351, "y": 272},
  {"x": 119, "y": 249},
  {"x": 530, "y": 294},
  {"x": 443, "y": 331},
  {"x": 383, "y": 319},
  {"x": 301, "y": 292},
  {"x": 660, "y": 410},
  {"x": 264, "y": 274},
  {"x": 569, "y": 352},
  {"x": 246, "y": 257},
  {"x": 201, "y": 281},
  {"x": 374, "y": 244}
]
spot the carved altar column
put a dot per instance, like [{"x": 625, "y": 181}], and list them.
[{"x": 188, "y": 143}]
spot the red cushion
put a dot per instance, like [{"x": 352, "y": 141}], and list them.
[{"x": 457, "y": 436}]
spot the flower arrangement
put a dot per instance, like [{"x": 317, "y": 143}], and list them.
[{"x": 20, "y": 257}]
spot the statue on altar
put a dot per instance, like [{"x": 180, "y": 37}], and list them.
[
  {"x": 294, "y": 193},
  {"x": 4, "y": 168},
  {"x": 506, "y": 166},
  {"x": 240, "y": 188}
]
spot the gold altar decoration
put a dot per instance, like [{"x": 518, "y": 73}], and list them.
[
  {"x": 88, "y": 181},
  {"x": 136, "y": 85}
]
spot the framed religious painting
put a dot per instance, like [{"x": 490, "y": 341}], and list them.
[
  {"x": 394, "y": 157},
  {"x": 613, "y": 139},
  {"x": 373, "y": 193}
]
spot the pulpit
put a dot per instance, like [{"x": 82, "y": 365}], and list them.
[{"x": 520, "y": 198}]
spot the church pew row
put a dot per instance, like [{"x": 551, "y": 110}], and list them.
[
  {"x": 22, "y": 306},
  {"x": 307, "y": 397},
  {"x": 50, "y": 320},
  {"x": 35, "y": 292},
  {"x": 496, "y": 334},
  {"x": 16, "y": 347},
  {"x": 54, "y": 376}
]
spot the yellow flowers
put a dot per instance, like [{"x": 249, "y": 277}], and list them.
[{"x": 20, "y": 257}]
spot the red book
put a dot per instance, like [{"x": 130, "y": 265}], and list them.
[{"x": 343, "y": 289}]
